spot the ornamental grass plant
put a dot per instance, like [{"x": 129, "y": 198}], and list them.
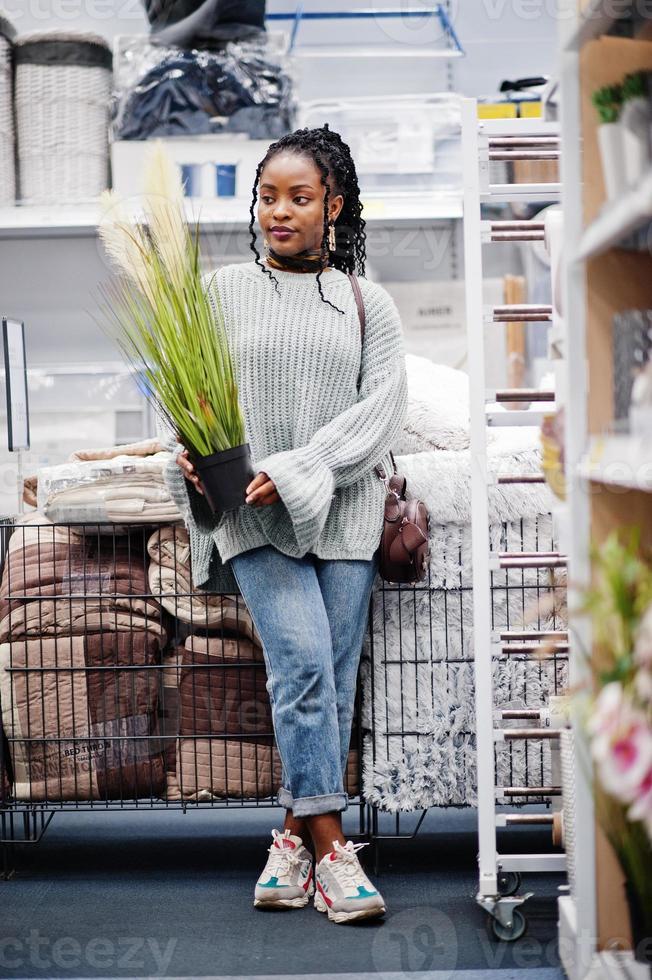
[{"x": 157, "y": 310}]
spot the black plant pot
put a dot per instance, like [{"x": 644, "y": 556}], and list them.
[
  {"x": 640, "y": 917},
  {"x": 225, "y": 476}
]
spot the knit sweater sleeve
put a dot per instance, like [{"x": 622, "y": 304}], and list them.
[{"x": 353, "y": 442}]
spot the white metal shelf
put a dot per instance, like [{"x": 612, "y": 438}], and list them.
[
  {"x": 478, "y": 140},
  {"x": 81, "y": 220},
  {"x": 618, "y": 219},
  {"x": 513, "y": 193},
  {"x": 618, "y": 460}
]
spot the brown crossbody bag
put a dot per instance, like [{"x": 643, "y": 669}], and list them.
[{"x": 404, "y": 542}]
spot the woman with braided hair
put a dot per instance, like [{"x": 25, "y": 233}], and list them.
[{"x": 322, "y": 406}]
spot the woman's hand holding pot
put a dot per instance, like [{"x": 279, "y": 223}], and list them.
[
  {"x": 261, "y": 491},
  {"x": 189, "y": 470}
]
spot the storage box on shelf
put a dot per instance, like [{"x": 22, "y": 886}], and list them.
[{"x": 63, "y": 83}]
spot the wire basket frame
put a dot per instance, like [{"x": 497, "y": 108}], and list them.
[
  {"x": 120, "y": 684},
  {"x": 418, "y": 710}
]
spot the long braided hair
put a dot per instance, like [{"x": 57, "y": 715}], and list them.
[{"x": 332, "y": 156}]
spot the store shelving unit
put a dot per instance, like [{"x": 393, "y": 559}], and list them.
[
  {"x": 607, "y": 474},
  {"x": 619, "y": 460},
  {"x": 81, "y": 220},
  {"x": 618, "y": 219},
  {"x": 437, "y": 14},
  {"x": 483, "y": 142}
]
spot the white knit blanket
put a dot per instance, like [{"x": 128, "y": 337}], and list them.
[{"x": 417, "y": 664}]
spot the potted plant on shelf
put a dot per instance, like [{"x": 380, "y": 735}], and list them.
[
  {"x": 618, "y": 717},
  {"x": 635, "y": 118},
  {"x": 159, "y": 313},
  {"x": 607, "y": 101}
]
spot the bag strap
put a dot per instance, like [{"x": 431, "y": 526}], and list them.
[
  {"x": 359, "y": 301},
  {"x": 357, "y": 292}
]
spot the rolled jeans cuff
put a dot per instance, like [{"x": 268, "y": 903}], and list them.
[{"x": 306, "y": 806}]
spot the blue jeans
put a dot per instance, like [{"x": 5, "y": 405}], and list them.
[{"x": 311, "y": 615}]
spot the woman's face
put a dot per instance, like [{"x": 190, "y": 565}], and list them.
[{"x": 291, "y": 197}]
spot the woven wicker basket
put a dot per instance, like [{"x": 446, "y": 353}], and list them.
[
  {"x": 7, "y": 140},
  {"x": 63, "y": 84}
]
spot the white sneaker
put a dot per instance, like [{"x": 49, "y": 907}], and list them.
[
  {"x": 343, "y": 889},
  {"x": 287, "y": 879}
]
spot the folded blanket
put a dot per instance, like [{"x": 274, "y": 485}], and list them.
[
  {"x": 145, "y": 447},
  {"x": 220, "y": 698},
  {"x": 170, "y": 581},
  {"x": 420, "y": 680},
  {"x": 123, "y": 488},
  {"x": 77, "y": 617},
  {"x": 54, "y": 585},
  {"x": 217, "y": 701},
  {"x": 168, "y": 719},
  {"x": 37, "y": 529},
  {"x": 239, "y": 650},
  {"x": 84, "y": 731}
]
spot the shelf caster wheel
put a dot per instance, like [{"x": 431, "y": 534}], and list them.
[
  {"x": 509, "y": 882},
  {"x": 509, "y": 934}
]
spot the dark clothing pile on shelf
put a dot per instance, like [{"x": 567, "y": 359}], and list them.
[
  {"x": 205, "y": 23},
  {"x": 244, "y": 89}
]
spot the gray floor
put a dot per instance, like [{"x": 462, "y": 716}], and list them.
[{"x": 170, "y": 894}]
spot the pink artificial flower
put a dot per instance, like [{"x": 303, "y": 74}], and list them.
[
  {"x": 622, "y": 744},
  {"x": 607, "y": 709}
]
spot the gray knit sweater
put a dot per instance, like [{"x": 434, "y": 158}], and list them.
[{"x": 318, "y": 438}]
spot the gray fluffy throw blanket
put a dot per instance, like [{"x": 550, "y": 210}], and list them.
[{"x": 417, "y": 660}]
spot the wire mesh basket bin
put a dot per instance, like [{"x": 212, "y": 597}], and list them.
[
  {"x": 63, "y": 84},
  {"x": 120, "y": 686},
  {"x": 418, "y": 686},
  {"x": 123, "y": 687}
]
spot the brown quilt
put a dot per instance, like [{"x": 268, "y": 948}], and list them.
[
  {"x": 222, "y": 695},
  {"x": 99, "y": 584},
  {"x": 77, "y": 732}
]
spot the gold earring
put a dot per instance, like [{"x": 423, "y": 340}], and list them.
[
  {"x": 331, "y": 237},
  {"x": 266, "y": 247}
]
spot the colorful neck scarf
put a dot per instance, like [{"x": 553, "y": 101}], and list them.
[{"x": 310, "y": 260}]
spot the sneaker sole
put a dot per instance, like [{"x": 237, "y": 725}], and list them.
[
  {"x": 286, "y": 903},
  {"x": 341, "y": 916},
  {"x": 283, "y": 903}
]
